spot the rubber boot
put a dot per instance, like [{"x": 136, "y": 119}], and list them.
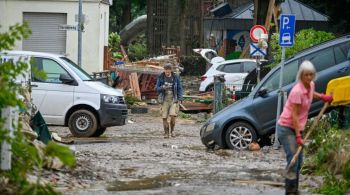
[
  {"x": 166, "y": 129},
  {"x": 172, "y": 126},
  {"x": 172, "y": 131},
  {"x": 291, "y": 187}
]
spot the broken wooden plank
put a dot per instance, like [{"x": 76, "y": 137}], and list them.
[
  {"x": 136, "y": 86},
  {"x": 125, "y": 55}
]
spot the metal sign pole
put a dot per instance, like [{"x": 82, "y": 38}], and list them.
[
  {"x": 277, "y": 144},
  {"x": 80, "y": 15},
  {"x": 258, "y": 69}
]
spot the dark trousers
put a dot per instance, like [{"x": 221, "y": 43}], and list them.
[{"x": 286, "y": 136}]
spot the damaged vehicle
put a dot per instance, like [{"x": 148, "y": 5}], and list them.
[
  {"x": 254, "y": 117},
  {"x": 234, "y": 71}
]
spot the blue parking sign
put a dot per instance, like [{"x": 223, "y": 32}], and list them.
[{"x": 287, "y": 30}]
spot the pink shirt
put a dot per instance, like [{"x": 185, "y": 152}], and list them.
[{"x": 298, "y": 95}]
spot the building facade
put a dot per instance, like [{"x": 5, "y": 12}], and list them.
[{"x": 53, "y": 24}]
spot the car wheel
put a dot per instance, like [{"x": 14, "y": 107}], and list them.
[
  {"x": 99, "y": 132},
  {"x": 210, "y": 88},
  {"x": 239, "y": 135},
  {"x": 82, "y": 123}
]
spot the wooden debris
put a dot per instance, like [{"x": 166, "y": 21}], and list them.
[{"x": 134, "y": 84}]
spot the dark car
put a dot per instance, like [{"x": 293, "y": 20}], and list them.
[{"x": 254, "y": 117}]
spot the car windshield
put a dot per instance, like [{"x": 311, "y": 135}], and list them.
[{"x": 79, "y": 71}]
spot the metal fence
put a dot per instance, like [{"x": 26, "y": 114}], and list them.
[
  {"x": 238, "y": 91},
  {"x": 225, "y": 94}
]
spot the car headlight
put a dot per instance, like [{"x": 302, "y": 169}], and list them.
[
  {"x": 210, "y": 127},
  {"x": 110, "y": 99}
]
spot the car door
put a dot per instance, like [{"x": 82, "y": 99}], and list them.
[
  {"x": 233, "y": 74},
  {"x": 265, "y": 106},
  {"x": 50, "y": 95}
]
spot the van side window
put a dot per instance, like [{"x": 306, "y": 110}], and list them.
[
  {"x": 322, "y": 59},
  {"x": 289, "y": 73},
  {"x": 51, "y": 68}
]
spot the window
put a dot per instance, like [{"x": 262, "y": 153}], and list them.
[
  {"x": 339, "y": 55},
  {"x": 342, "y": 52},
  {"x": 79, "y": 71},
  {"x": 52, "y": 69},
  {"x": 322, "y": 59},
  {"x": 249, "y": 66},
  {"x": 210, "y": 55},
  {"x": 232, "y": 68},
  {"x": 289, "y": 73}
]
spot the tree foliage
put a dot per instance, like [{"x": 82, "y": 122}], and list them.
[
  {"x": 338, "y": 12},
  {"x": 27, "y": 159},
  {"x": 303, "y": 39},
  {"x": 123, "y": 12}
]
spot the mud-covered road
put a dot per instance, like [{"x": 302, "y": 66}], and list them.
[{"x": 136, "y": 159}]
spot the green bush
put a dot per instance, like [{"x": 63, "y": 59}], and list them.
[
  {"x": 328, "y": 156},
  {"x": 114, "y": 42},
  {"x": 303, "y": 39},
  {"x": 131, "y": 100},
  {"x": 193, "y": 65},
  {"x": 137, "y": 51}
]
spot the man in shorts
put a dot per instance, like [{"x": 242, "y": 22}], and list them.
[{"x": 170, "y": 93}]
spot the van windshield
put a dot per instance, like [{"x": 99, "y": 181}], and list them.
[{"x": 79, "y": 71}]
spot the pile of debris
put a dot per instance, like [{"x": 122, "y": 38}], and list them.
[
  {"x": 199, "y": 102},
  {"x": 139, "y": 78}
]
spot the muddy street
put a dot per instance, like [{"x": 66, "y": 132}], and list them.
[{"x": 136, "y": 159}]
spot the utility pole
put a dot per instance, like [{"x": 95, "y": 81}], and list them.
[{"x": 80, "y": 22}]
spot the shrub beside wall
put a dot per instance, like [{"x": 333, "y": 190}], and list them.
[{"x": 193, "y": 65}]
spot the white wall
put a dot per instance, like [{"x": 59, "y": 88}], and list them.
[{"x": 94, "y": 38}]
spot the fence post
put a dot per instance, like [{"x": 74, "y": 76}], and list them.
[
  {"x": 219, "y": 81},
  {"x": 10, "y": 114}
]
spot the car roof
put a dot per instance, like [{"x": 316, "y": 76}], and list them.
[
  {"x": 30, "y": 53},
  {"x": 321, "y": 46}
]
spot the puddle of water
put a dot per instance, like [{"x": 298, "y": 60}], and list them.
[
  {"x": 146, "y": 183},
  {"x": 260, "y": 175}
]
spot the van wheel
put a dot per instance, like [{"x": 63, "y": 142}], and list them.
[
  {"x": 82, "y": 123},
  {"x": 239, "y": 135},
  {"x": 99, "y": 132}
]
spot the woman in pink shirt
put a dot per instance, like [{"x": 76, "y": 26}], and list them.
[{"x": 292, "y": 121}]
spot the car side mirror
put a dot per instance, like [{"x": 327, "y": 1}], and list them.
[
  {"x": 262, "y": 92},
  {"x": 66, "y": 79}
]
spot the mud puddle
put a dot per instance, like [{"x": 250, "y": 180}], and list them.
[{"x": 159, "y": 181}]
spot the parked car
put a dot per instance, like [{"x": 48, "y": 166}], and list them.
[
  {"x": 68, "y": 96},
  {"x": 253, "y": 117},
  {"x": 234, "y": 72}
]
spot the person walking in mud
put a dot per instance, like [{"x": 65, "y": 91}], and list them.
[
  {"x": 170, "y": 92},
  {"x": 293, "y": 119}
]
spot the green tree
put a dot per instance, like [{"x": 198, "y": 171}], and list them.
[
  {"x": 303, "y": 39},
  {"x": 338, "y": 12},
  {"x": 122, "y": 12}
]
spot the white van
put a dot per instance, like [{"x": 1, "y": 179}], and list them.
[{"x": 70, "y": 97}]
